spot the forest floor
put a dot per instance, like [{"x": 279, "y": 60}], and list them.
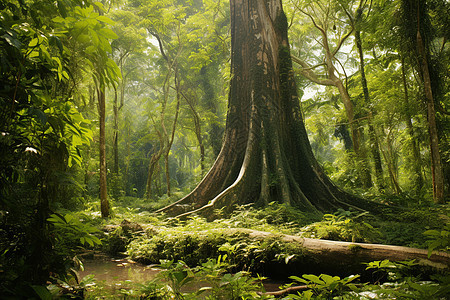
[{"x": 225, "y": 262}]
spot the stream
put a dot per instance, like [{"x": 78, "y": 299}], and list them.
[{"x": 116, "y": 274}]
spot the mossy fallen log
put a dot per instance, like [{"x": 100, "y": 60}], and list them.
[
  {"x": 277, "y": 255},
  {"x": 336, "y": 257}
]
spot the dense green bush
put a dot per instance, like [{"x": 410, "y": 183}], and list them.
[{"x": 342, "y": 228}]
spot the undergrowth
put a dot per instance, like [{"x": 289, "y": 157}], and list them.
[{"x": 227, "y": 262}]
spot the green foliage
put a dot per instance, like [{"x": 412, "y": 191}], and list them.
[
  {"x": 405, "y": 227},
  {"x": 196, "y": 243},
  {"x": 116, "y": 186},
  {"x": 342, "y": 228},
  {"x": 90, "y": 30},
  {"x": 176, "y": 274},
  {"x": 324, "y": 286},
  {"x": 387, "y": 270},
  {"x": 403, "y": 285},
  {"x": 175, "y": 245},
  {"x": 176, "y": 278},
  {"x": 438, "y": 239},
  {"x": 41, "y": 136},
  {"x": 69, "y": 233}
]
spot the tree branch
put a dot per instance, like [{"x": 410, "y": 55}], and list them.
[
  {"x": 288, "y": 290},
  {"x": 343, "y": 40},
  {"x": 308, "y": 73},
  {"x": 314, "y": 21}
]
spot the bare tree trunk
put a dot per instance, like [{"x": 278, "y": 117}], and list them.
[
  {"x": 372, "y": 135},
  {"x": 116, "y": 109},
  {"x": 197, "y": 130},
  {"x": 151, "y": 171},
  {"x": 389, "y": 157},
  {"x": 266, "y": 155},
  {"x": 416, "y": 159},
  {"x": 170, "y": 142},
  {"x": 104, "y": 203},
  {"x": 436, "y": 163},
  {"x": 128, "y": 156}
]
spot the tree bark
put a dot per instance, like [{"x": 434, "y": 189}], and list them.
[
  {"x": 197, "y": 129},
  {"x": 335, "y": 256},
  {"x": 172, "y": 137},
  {"x": 332, "y": 257},
  {"x": 116, "y": 109},
  {"x": 266, "y": 155},
  {"x": 372, "y": 135},
  {"x": 390, "y": 157},
  {"x": 415, "y": 151},
  {"x": 436, "y": 164},
  {"x": 104, "y": 203}
]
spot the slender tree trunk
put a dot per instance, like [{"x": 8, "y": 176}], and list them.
[
  {"x": 164, "y": 142},
  {"x": 170, "y": 142},
  {"x": 375, "y": 149},
  {"x": 128, "y": 156},
  {"x": 357, "y": 135},
  {"x": 153, "y": 166},
  {"x": 117, "y": 106},
  {"x": 116, "y": 109},
  {"x": 416, "y": 159},
  {"x": 197, "y": 130},
  {"x": 104, "y": 204},
  {"x": 389, "y": 157},
  {"x": 436, "y": 163},
  {"x": 266, "y": 155}
]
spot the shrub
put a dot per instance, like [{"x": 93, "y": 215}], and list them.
[{"x": 342, "y": 228}]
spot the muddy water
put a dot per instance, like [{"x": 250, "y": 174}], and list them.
[
  {"x": 112, "y": 271},
  {"x": 115, "y": 274}
]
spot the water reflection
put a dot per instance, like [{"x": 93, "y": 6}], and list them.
[
  {"x": 118, "y": 274},
  {"x": 113, "y": 271}
]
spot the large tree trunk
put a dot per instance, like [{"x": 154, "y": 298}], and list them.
[{"x": 266, "y": 155}]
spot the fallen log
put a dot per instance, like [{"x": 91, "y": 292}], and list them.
[
  {"x": 336, "y": 257},
  {"x": 310, "y": 256}
]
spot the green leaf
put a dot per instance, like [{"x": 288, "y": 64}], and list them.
[
  {"x": 68, "y": 218},
  {"x": 10, "y": 39},
  {"x": 99, "y": 5},
  {"x": 94, "y": 37},
  {"x": 42, "y": 292},
  {"x": 432, "y": 233},
  {"x": 329, "y": 279},
  {"x": 108, "y": 33},
  {"x": 33, "y": 42},
  {"x": 58, "y": 19},
  {"x": 90, "y": 242},
  {"x": 38, "y": 114},
  {"x": 313, "y": 278},
  {"x": 54, "y": 40},
  {"x": 105, "y": 19}
]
